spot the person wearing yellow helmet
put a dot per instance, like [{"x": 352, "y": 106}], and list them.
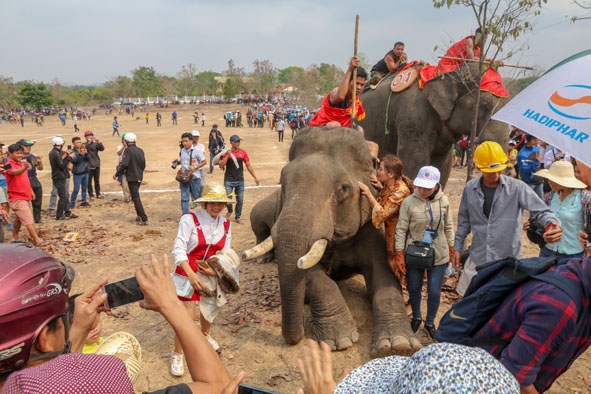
[{"x": 491, "y": 209}]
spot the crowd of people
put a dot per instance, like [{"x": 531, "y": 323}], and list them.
[{"x": 544, "y": 329}]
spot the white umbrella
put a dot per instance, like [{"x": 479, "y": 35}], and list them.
[{"x": 557, "y": 107}]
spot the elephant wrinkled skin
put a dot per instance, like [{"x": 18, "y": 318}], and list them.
[
  {"x": 423, "y": 124},
  {"x": 320, "y": 204}
]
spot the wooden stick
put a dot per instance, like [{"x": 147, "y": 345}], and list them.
[
  {"x": 476, "y": 60},
  {"x": 353, "y": 109}
]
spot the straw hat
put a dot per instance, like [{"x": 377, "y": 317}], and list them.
[
  {"x": 215, "y": 192},
  {"x": 562, "y": 173},
  {"x": 126, "y": 347}
]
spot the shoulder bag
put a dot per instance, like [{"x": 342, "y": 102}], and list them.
[
  {"x": 185, "y": 175},
  {"x": 420, "y": 254}
]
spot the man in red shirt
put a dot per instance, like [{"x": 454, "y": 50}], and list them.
[
  {"x": 20, "y": 193},
  {"x": 466, "y": 49}
]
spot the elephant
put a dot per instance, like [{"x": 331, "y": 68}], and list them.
[
  {"x": 318, "y": 227},
  {"x": 424, "y": 123}
]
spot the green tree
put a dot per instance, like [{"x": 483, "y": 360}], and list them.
[
  {"x": 234, "y": 80},
  {"x": 186, "y": 79},
  {"x": 102, "y": 95},
  {"x": 329, "y": 77},
  {"x": 205, "y": 82},
  {"x": 500, "y": 20},
  {"x": 34, "y": 95},
  {"x": 120, "y": 86},
  {"x": 264, "y": 76},
  {"x": 7, "y": 93},
  {"x": 146, "y": 82},
  {"x": 289, "y": 74}
]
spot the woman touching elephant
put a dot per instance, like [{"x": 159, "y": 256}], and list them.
[
  {"x": 426, "y": 216},
  {"x": 394, "y": 187}
]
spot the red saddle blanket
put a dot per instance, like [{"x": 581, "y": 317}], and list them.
[{"x": 491, "y": 80}]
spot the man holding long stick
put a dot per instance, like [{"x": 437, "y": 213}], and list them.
[{"x": 338, "y": 104}]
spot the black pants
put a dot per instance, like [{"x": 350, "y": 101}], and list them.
[
  {"x": 95, "y": 174},
  {"x": 62, "y": 201},
  {"x": 280, "y": 135},
  {"x": 134, "y": 190},
  {"x": 37, "y": 203}
]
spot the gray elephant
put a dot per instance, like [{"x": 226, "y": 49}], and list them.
[
  {"x": 319, "y": 227},
  {"x": 423, "y": 124}
]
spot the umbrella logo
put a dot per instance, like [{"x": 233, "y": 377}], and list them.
[{"x": 572, "y": 101}]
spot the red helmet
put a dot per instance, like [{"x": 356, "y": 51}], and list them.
[
  {"x": 34, "y": 289},
  {"x": 88, "y": 132}
]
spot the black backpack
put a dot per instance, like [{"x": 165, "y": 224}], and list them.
[{"x": 493, "y": 282}]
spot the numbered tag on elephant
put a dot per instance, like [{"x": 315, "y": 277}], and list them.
[{"x": 404, "y": 79}]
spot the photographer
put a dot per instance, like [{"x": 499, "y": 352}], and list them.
[
  {"x": 216, "y": 144},
  {"x": 39, "y": 330},
  {"x": 59, "y": 160},
  {"x": 191, "y": 159}
]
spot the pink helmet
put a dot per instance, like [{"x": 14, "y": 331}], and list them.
[{"x": 34, "y": 289}]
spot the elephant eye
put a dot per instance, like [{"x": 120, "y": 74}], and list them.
[{"x": 343, "y": 192}]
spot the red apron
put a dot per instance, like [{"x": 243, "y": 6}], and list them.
[{"x": 202, "y": 251}]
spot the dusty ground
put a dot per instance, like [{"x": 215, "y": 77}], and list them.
[{"x": 111, "y": 246}]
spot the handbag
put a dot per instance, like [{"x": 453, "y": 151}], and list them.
[
  {"x": 420, "y": 254},
  {"x": 184, "y": 176}
]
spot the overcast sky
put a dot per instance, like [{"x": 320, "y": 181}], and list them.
[{"x": 91, "y": 42}]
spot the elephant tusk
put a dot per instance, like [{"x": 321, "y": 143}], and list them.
[
  {"x": 258, "y": 250},
  {"x": 314, "y": 255}
]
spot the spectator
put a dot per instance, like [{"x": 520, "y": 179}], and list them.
[
  {"x": 59, "y": 160},
  {"x": 115, "y": 127},
  {"x": 280, "y": 128},
  {"x": 426, "y": 216},
  {"x": 216, "y": 144},
  {"x": 437, "y": 368},
  {"x": 36, "y": 163},
  {"x": 94, "y": 146},
  {"x": 132, "y": 165},
  {"x": 234, "y": 174},
  {"x": 21, "y": 323},
  {"x": 5, "y": 210},
  {"x": 491, "y": 209},
  {"x": 80, "y": 172},
  {"x": 174, "y": 118},
  {"x": 75, "y": 120},
  {"x": 552, "y": 155},
  {"x": 464, "y": 142},
  {"x": 192, "y": 159},
  {"x": 572, "y": 206},
  {"x": 122, "y": 179},
  {"x": 518, "y": 136},
  {"x": 147, "y": 116},
  {"x": 20, "y": 193},
  {"x": 544, "y": 330},
  {"x": 202, "y": 119},
  {"x": 528, "y": 161},
  {"x": 393, "y": 188},
  {"x": 512, "y": 156},
  {"x": 202, "y": 235},
  {"x": 197, "y": 145},
  {"x": 158, "y": 119}
]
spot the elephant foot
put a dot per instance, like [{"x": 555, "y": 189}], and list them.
[
  {"x": 397, "y": 345},
  {"x": 337, "y": 336}
]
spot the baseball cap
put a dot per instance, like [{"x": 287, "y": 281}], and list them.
[
  {"x": 235, "y": 138},
  {"x": 195, "y": 133},
  {"x": 25, "y": 142},
  {"x": 512, "y": 142},
  {"x": 427, "y": 178}
]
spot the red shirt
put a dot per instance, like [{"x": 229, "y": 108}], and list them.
[
  {"x": 458, "y": 51},
  {"x": 19, "y": 186},
  {"x": 330, "y": 113}
]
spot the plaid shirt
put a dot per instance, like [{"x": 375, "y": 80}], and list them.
[{"x": 548, "y": 332}]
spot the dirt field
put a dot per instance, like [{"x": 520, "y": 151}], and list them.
[{"x": 111, "y": 246}]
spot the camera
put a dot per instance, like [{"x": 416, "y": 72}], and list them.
[{"x": 175, "y": 164}]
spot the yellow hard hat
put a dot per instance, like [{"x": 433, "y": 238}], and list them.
[{"x": 490, "y": 157}]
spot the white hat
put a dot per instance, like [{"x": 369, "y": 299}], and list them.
[
  {"x": 427, "y": 178},
  {"x": 57, "y": 141},
  {"x": 126, "y": 347},
  {"x": 195, "y": 133},
  {"x": 130, "y": 137},
  {"x": 563, "y": 173}
]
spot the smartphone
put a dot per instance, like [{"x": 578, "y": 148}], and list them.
[
  {"x": 122, "y": 292},
  {"x": 69, "y": 147},
  {"x": 549, "y": 227},
  {"x": 7, "y": 166},
  {"x": 245, "y": 389}
]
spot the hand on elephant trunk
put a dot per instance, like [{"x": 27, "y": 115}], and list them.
[
  {"x": 316, "y": 369},
  {"x": 373, "y": 179}
]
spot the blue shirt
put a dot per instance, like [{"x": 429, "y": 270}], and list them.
[{"x": 570, "y": 213}]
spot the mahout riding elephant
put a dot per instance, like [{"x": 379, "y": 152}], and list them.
[
  {"x": 423, "y": 124},
  {"x": 319, "y": 227}
]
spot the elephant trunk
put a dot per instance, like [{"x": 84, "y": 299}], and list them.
[{"x": 259, "y": 250}]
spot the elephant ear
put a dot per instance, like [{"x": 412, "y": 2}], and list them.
[{"x": 443, "y": 92}]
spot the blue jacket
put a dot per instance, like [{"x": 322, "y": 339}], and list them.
[{"x": 80, "y": 163}]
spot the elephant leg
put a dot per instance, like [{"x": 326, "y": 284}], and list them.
[
  {"x": 391, "y": 332},
  {"x": 332, "y": 321}
]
